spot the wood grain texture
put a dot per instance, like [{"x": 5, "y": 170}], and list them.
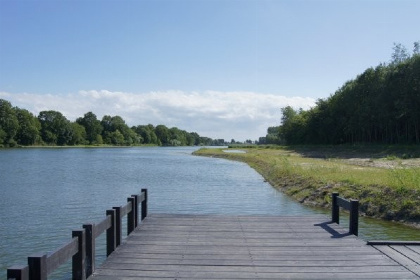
[{"x": 246, "y": 247}]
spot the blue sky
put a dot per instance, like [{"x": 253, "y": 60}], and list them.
[{"x": 222, "y": 68}]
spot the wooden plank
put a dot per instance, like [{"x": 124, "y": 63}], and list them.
[
  {"x": 102, "y": 226},
  {"x": 391, "y": 242},
  {"x": 62, "y": 255},
  {"x": 408, "y": 253},
  {"x": 240, "y": 247},
  {"x": 395, "y": 255},
  {"x": 400, "y": 258},
  {"x": 343, "y": 203},
  {"x": 106, "y": 274},
  {"x": 415, "y": 249}
]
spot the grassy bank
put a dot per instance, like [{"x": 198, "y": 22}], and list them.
[{"x": 387, "y": 183}]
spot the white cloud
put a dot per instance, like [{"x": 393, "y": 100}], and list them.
[{"x": 227, "y": 115}]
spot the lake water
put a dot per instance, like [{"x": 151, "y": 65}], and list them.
[{"x": 46, "y": 193}]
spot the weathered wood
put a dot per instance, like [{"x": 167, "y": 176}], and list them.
[
  {"x": 343, "y": 203},
  {"x": 253, "y": 247},
  {"x": 118, "y": 226},
  {"x": 352, "y": 206},
  {"x": 107, "y": 274},
  {"x": 144, "y": 204},
  {"x": 38, "y": 267},
  {"x": 125, "y": 209},
  {"x": 111, "y": 233},
  {"x": 103, "y": 226},
  {"x": 90, "y": 248},
  {"x": 18, "y": 272},
  {"x": 414, "y": 248},
  {"x": 78, "y": 259},
  {"x": 141, "y": 196},
  {"x": 408, "y": 253},
  {"x": 335, "y": 209},
  {"x": 61, "y": 255},
  {"x": 354, "y": 217},
  {"x": 82, "y": 247},
  {"x": 402, "y": 255},
  {"x": 136, "y": 209},
  {"x": 393, "y": 242},
  {"x": 130, "y": 215}
]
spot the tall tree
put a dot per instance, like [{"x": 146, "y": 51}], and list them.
[
  {"x": 163, "y": 134},
  {"x": 55, "y": 128},
  {"x": 79, "y": 134},
  {"x": 381, "y": 105},
  {"x": 400, "y": 53},
  {"x": 9, "y": 124},
  {"x": 92, "y": 126},
  {"x": 416, "y": 48},
  {"x": 113, "y": 124},
  {"x": 29, "y": 128}
]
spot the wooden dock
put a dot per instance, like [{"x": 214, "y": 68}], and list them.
[{"x": 249, "y": 247}]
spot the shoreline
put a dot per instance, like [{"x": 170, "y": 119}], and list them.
[{"x": 380, "y": 202}]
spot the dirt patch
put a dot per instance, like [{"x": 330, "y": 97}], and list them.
[
  {"x": 383, "y": 162},
  {"x": 366, "y": 156}
]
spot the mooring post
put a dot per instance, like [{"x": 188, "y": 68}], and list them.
[
  {"x": 130, "y": 216},
  {"x": 118, "y": 225},
  {"x": 18, "y": 272},
  {"x": 90, "y": 248},
  {"x": 136, "y": 209},
  {"x": 144, "y": 205},
  {"x": 335, "y": 209},
  {"x": 354, "y": 217},
  {"x": 37, "y": 267},
  {"x": 78, "y": 259},
  {"x": 111, "y": 233}
]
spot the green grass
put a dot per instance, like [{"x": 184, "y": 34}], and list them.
[{"x": 389, "y": 193}]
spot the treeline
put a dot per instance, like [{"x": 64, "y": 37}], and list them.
[
  {"x": 382, "y": 105},
  {"x": 20, "y": 127}
]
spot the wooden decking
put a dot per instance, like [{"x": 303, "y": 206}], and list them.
[
  {"x": 246, "y": 247},
  {"x": 406, "y": 255}
]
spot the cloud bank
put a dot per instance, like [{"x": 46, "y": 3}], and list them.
[{"x": 238, "y": 115}]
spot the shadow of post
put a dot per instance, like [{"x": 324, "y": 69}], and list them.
[{"x": 333, "y": 232}]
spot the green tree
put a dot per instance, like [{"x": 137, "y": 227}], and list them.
[
  {"x": 9, "y": 124},
  {"x": 112, "y": 124},
  {"x": 197, "y": 139},
  {"x": 400, "y": 53},
  {"x": 92, "y": 126},
  {"x": 55, "y": 128},
  {"x": 273, "y": 135},
  {"x": 79, "y": 134},
  {"x": 416, "y": 48},
  {"x": 117, "y": 138},
  {"x": 163, "y": 135},
  {"x": 29, "y": 128},
  {"x": 178, "y": 137},
  {"x": 381, "y": 105}
]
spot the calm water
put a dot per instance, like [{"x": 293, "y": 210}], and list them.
[{"x": 46, "y": 193}]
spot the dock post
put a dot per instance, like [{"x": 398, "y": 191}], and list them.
[
  {"x": 144, "y": 205},
  {"x": 18, "y": 272},
  {"x": 78, "y": 259},
  {"x": 136, "y": 210},
  {"x": 90, "y": 248},
  {"x": 37, "y": 267},
  {"x": 131, "y": 215},
  {"x": 110, "y": 233},
  {"x": 335, "y": 209},
  {"x": 118, "y": 225},
  {"x": 354, "y": 217}
]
